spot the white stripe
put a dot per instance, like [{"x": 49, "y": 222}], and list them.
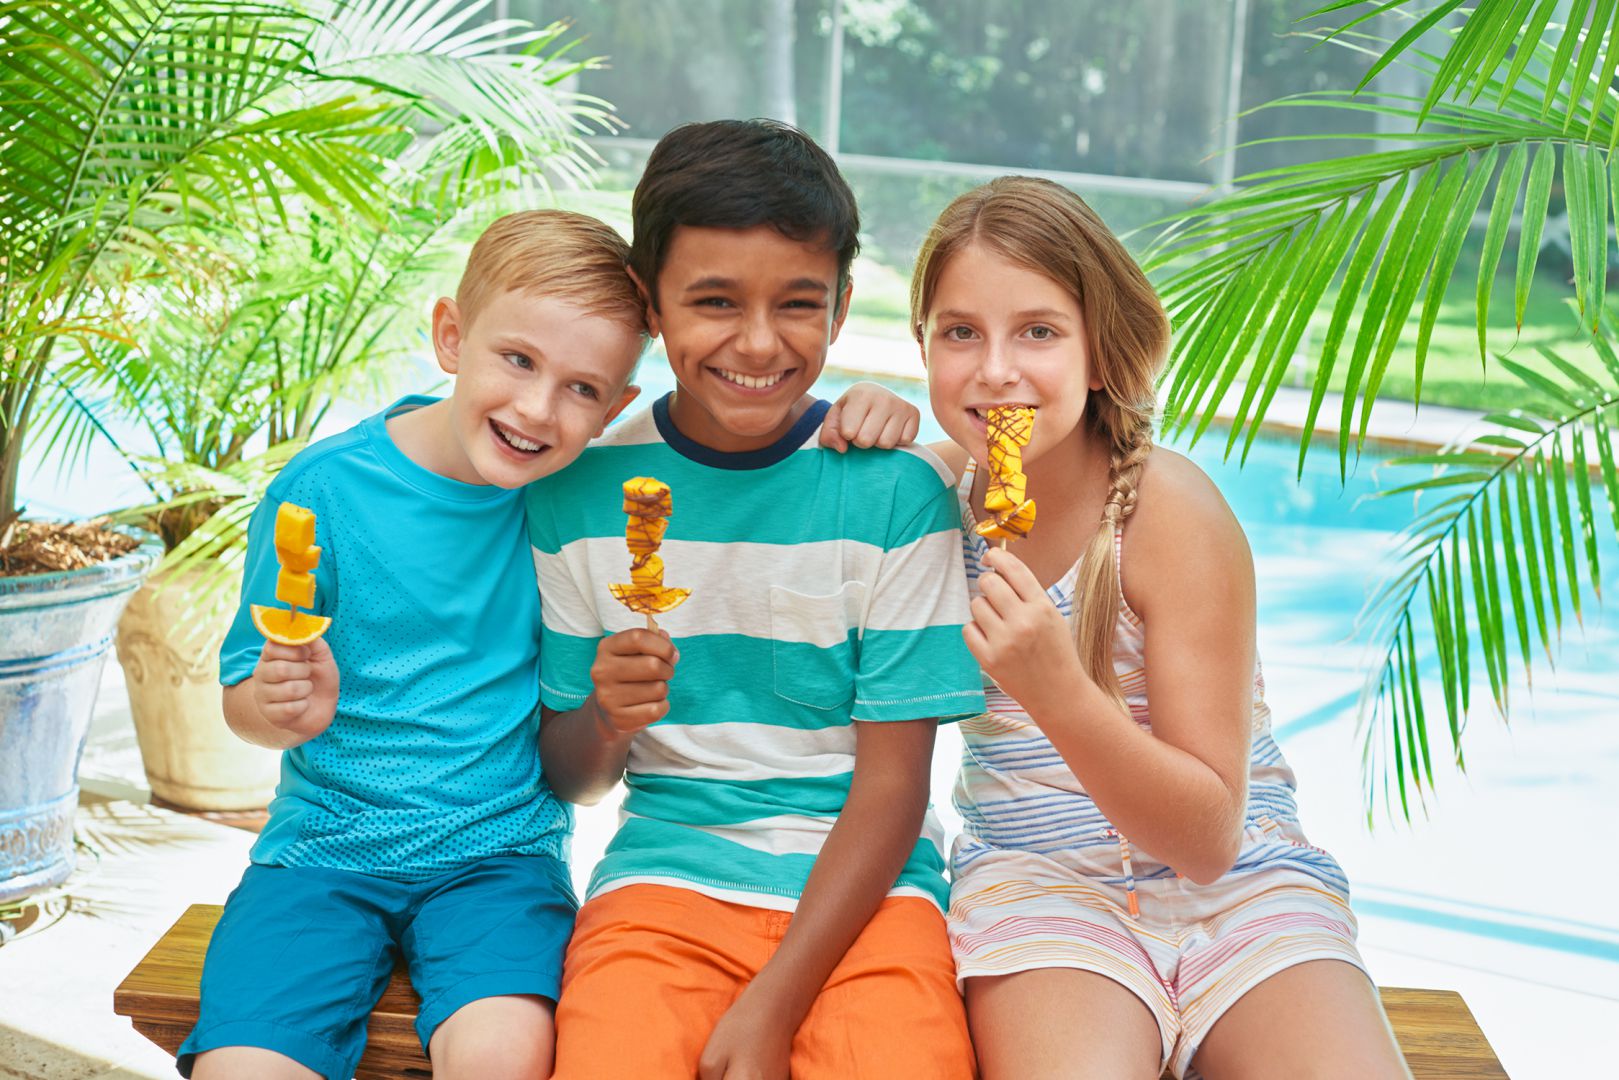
[
  {"x": 792, "y": 834},
  {"x": 922, "y": 585},
  {"x": 739, "y": 896},
  {"x": 636, "y": 430},
  {"x": 563, "y": 604},
  {"x": 736, "y": 750},
  {"x": 836, "y": 586},
  {"x": 784, "y": 834}
]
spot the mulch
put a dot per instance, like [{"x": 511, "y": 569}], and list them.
[{"x": 44, "y": 547}]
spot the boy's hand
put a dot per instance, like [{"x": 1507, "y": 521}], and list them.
[
  {"x": 870, "y": 415},
  {"x": 749, "y": 1043},
  {"x": 631, "y": 675},
  {"x": 295, "y": 687},
  {"x": 1018, "y": 636}
]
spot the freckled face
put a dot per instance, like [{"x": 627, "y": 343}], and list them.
[
  {"x": 998, "y": 333},
  {"x": 746, "y": 317},
  {"x": 536, "y": 379}
]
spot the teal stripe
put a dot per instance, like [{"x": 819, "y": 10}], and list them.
[
  {"x": 724, "y": 678},
  {"x": 565, "y": 668},
  {"x": 808, "y": 678},
  {"x": 884, "y": 498},
  {"x": 731, "y": 802},
  {"x": 916, "y": 674},
  {"x": 645, "y": 848}
]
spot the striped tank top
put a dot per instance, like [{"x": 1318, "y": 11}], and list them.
[{"x": 1015, "y": 793}]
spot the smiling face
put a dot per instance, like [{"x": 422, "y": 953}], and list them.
[
  {"x": 536, "y": 379},
  {"x": 998, "y": 333},
  {"x": 746, "y": 318}
]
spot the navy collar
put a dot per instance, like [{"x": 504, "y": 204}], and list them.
[{"x": 761, "y": 458}]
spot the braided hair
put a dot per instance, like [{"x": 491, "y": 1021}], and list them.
[{"x": 1043, "y": 226}]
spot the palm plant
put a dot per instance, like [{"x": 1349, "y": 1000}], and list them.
[
  {"x": 205, "y": 140},
  {"x": 243, "y": 351},
  {"x": 126, "y": 123},
  {"x": 1522, "y": 114}
]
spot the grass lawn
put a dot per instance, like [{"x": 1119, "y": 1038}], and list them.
[{"x": 1453, "y": 373}]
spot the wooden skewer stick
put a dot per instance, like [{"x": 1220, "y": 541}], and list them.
[{"x": 651, "y": 623}]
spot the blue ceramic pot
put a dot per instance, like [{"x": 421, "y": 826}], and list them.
[{"x": 54, "y": 634}]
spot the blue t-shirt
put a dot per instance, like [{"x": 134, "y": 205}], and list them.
[{"x": 432, "y": 761}]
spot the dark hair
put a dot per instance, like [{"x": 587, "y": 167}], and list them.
[{"x": 736, "y": 174}]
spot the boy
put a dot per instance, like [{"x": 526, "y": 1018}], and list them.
[
  {"x": 773, "y": 897},
  {"x": 412, "y": 816}
]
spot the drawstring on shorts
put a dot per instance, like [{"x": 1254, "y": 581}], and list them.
[{"x": 1129, "y": 873}]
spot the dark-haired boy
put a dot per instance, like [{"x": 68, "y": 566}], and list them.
[{"x": 773, "y": 897}]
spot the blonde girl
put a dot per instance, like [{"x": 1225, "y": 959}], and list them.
[{"x": 1132, "y": 891}]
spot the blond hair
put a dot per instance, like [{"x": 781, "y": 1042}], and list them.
[
  {"x": 1045, "y": 227},
  {"x": 557, "y": 254}
]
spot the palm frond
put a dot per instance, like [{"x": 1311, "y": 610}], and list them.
[
  {"x": 260, "y": 192},
  {"x": 1507, "y": 531},
  {"x": 1494, "y": 50},
  {"x": 478, "y": 91},
  {"x": 1244, "y": 276}
]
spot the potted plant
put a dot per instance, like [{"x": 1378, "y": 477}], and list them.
[{"x": 244, "y": 355}]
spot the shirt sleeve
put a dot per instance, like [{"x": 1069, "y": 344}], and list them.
[
  {"x": 571, "y": 627},
  {"x": 239, "y": 652},
  {"x": 913, "y": 662}
]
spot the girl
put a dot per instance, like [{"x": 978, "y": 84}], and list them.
[{"x": 1132, "y": 891}]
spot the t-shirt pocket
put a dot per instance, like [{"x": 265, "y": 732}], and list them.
[{"x": 812, "y": 646}]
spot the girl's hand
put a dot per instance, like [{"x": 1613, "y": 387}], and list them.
[
  {"x": 870, "y": 415},
  {"x": 1018, "y": 636}
]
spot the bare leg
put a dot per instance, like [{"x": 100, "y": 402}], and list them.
[
  {"x": 1313, "y": 1021},
  {"x": 232, "y": 1062},
  {"x": 1061, "y": 1023},
  {"x": 511, "y": 1037}
]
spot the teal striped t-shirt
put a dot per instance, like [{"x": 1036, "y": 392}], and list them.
[{"x": 825, "y": 589}]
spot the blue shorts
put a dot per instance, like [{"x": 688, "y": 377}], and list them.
[{"x": 302, "y": 954}]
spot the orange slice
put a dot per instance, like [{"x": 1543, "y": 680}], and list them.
[{"x": 286, "y": 627}]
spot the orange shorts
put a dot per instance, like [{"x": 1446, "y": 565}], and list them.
[{"x": 652, "y": 968}]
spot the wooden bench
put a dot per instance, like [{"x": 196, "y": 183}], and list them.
[{"x": 1438, "y": 1034}]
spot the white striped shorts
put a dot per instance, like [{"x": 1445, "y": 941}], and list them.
[{"x": 1192, "y": 952}]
